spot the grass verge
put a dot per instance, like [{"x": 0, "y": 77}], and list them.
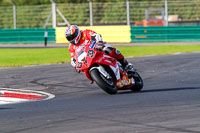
[{"x": 24, "y": 57}]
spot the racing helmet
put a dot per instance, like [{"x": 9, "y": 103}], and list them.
[{"x": 73, "y": 34}]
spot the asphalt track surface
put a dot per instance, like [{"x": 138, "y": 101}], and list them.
[{"x": 168, "y": 103}]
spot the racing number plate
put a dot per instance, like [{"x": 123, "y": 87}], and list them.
[{"x": 90, "y": 53}]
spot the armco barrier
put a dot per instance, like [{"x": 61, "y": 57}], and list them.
[
  {"x": 35, "y": 35},
  {"x": 165, "y": 34},
  {"x": 110, "y": 34}
]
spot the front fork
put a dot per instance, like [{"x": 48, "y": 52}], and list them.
[{"x": 102, "y": 71}]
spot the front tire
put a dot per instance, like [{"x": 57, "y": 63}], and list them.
[{"x": 108, "y": 85}]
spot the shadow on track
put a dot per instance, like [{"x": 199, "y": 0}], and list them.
[
  {"x": 162, "y": 90},
  {"x": 5, "y": 108}
]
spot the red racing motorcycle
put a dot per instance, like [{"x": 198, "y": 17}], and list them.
[{"x": 105, "y": 70}]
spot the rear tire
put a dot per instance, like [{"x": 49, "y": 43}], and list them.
[
  {"x": 138, "y": 83},
  {"x": 105, "y": 84}
]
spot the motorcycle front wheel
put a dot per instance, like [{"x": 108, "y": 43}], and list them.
[{"x": 108, "y": 85}]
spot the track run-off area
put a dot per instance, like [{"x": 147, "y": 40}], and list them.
[{"x": 168, "y": 103}]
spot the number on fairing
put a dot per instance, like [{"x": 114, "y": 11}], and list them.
[
  {"x": 79, "y": 65},
  {"x": 90, "y": 53}
]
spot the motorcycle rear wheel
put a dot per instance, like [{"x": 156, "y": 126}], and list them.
[
  {"x": 108, "y": 85},
  {"x": 138, "y": 83}
]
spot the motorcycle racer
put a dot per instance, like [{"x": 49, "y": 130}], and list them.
[{"x": 79, "y": 38}]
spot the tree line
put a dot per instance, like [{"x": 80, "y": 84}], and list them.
[{"x": 40, "y": 2}]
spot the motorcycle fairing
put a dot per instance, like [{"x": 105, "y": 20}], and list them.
[
  {"x": 100, "y": 59},
  {"x": 88, "y": 58}
]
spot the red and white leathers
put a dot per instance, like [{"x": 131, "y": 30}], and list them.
[{"x": 87, "y": 35}]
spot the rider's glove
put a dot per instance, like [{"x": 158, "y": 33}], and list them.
[
  {"x": 73, "y": 62},
  {"x": 96, "y": 37},
  {"x": 99, "y": 46}
]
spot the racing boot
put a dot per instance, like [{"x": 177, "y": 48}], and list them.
[
  {"x": 128, "y": 67},
  {"x": 130, "y": 70}
]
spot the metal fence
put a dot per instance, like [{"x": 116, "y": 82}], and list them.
[{"x": 103, "y": 13}]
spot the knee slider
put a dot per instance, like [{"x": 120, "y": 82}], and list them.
[{"x": 117, "y": 52}]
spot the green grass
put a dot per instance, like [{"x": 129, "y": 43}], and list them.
[
  {"x": 157, "y": 49},
  {"x": 24, "y": 57}
]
